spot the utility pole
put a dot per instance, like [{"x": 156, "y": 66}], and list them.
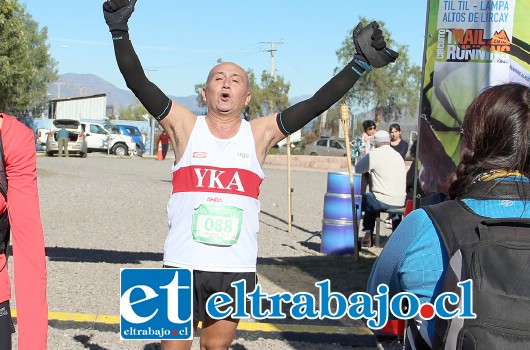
[
  {"x": 272, "y": 50},
  {"x": 59, "y": 88},
  {"x": 151, "y": 120},
  {"x": 288, "y": 144},
  {"x": 272, "y": 69}
]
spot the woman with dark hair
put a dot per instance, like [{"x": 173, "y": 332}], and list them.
[
  {"x": 396, "y": 142},
  {"x": 368, "y": 135},
  {"x": 498, "y": 143},
  {"x": 494, "y": 149}
]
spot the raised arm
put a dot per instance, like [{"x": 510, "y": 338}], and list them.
[
  {"x": 371, "y": 51},
  {"x": 177, "y": 120},
  {"x": 117, "y": 14}
]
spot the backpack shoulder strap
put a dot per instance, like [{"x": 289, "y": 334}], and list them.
[{"x": 450, "y": 219}]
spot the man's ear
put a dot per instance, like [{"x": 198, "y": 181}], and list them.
[
  {"x": 203, "y": 91},
  {"x": 249, "y": 97}
]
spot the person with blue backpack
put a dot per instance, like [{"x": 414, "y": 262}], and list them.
[{"x": 481, "y": 235}]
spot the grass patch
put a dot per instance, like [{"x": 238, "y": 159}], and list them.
[{"x": 299, "y": 274}]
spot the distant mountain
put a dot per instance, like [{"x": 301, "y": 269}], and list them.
[
  {"x": 75, "y": 85},
  {"x": 297, "y": 99}
]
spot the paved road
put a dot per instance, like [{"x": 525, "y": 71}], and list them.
[{"x": 104, "y": 213}]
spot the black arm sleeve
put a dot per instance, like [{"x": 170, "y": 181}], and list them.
[
  {"x": 298, "y": 115},
  {"x": 151, "y": 97}
]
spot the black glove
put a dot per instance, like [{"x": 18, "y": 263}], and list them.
[
  {"x": 117, "y": 13},
  {"x": 371, "y": 46}
]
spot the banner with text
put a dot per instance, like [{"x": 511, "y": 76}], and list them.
[{"x": 470, "y": 45}]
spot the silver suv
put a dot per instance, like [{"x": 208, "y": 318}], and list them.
[
  {"x": 326, "y": 146},
  {"x": 77, "y": 143}
]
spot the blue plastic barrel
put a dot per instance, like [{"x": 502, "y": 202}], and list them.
[{"x": 338, "y": 224}]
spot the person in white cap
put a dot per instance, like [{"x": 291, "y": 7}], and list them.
[{"x": 388, "y": 180}]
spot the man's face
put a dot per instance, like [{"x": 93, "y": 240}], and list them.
[
  {"x": 395, "y": 134},
  {"x": 226, "y": 91}
]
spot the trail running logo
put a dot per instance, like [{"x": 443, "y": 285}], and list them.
[
  {"x": 463, "y": 45},
  {"x": 156, "y": 304}
]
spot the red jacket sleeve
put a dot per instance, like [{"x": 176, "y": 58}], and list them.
[{"x": 26, "y": 234}]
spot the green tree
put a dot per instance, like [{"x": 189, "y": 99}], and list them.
[
  {"x": 269, "y": 96},
  {"x": 334, "y": 124},
  {"x": 255, "y": 106},
  {"x": 135, "y": 111},
  {"x": 392, "y": 91},
  {"x": 274, "y": 92},
  {"x": 26, "y": 67}
]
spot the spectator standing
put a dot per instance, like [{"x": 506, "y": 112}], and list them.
[
  {"x": 367, "y": 143},
  {"x": 396, "y": 142},
  {"x": 63, "y": 136},
  {"x": 164, "y": 139},
  {"x": 368, "y": 135}
]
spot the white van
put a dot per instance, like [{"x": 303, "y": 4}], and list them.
[{"x": 100, "y": 139}]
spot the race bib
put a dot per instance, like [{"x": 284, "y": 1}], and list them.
[{"x": 217, "y": 224}]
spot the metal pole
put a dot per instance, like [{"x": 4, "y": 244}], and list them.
[
  {"x": 420, "y": 114},
  {"x": 288, "y": 145},
  {"x": 152, "y": 135},
  {"x": 289, "y": 188},
  {"x": 345, "y": 119}
]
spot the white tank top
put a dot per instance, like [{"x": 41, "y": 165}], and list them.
[{"x": 213, "y": 208}]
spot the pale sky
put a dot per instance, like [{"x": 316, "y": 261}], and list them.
[{"x": 178, "y": 42}]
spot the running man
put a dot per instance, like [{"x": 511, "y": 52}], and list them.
[{"x": 218, "y": 164}]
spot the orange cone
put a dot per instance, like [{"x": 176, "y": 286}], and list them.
[{"x": 159, "y": 153}]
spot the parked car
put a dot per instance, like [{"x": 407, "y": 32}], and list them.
[
  {"x": 326, "y": 146},
  {"x": 41, "y": 136},
  {"x": 134, "y": 133},
  {"x": 296, "y": 137},
  {"x": 100, "y": 139},
  {"x": 77, "y": 143}
]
